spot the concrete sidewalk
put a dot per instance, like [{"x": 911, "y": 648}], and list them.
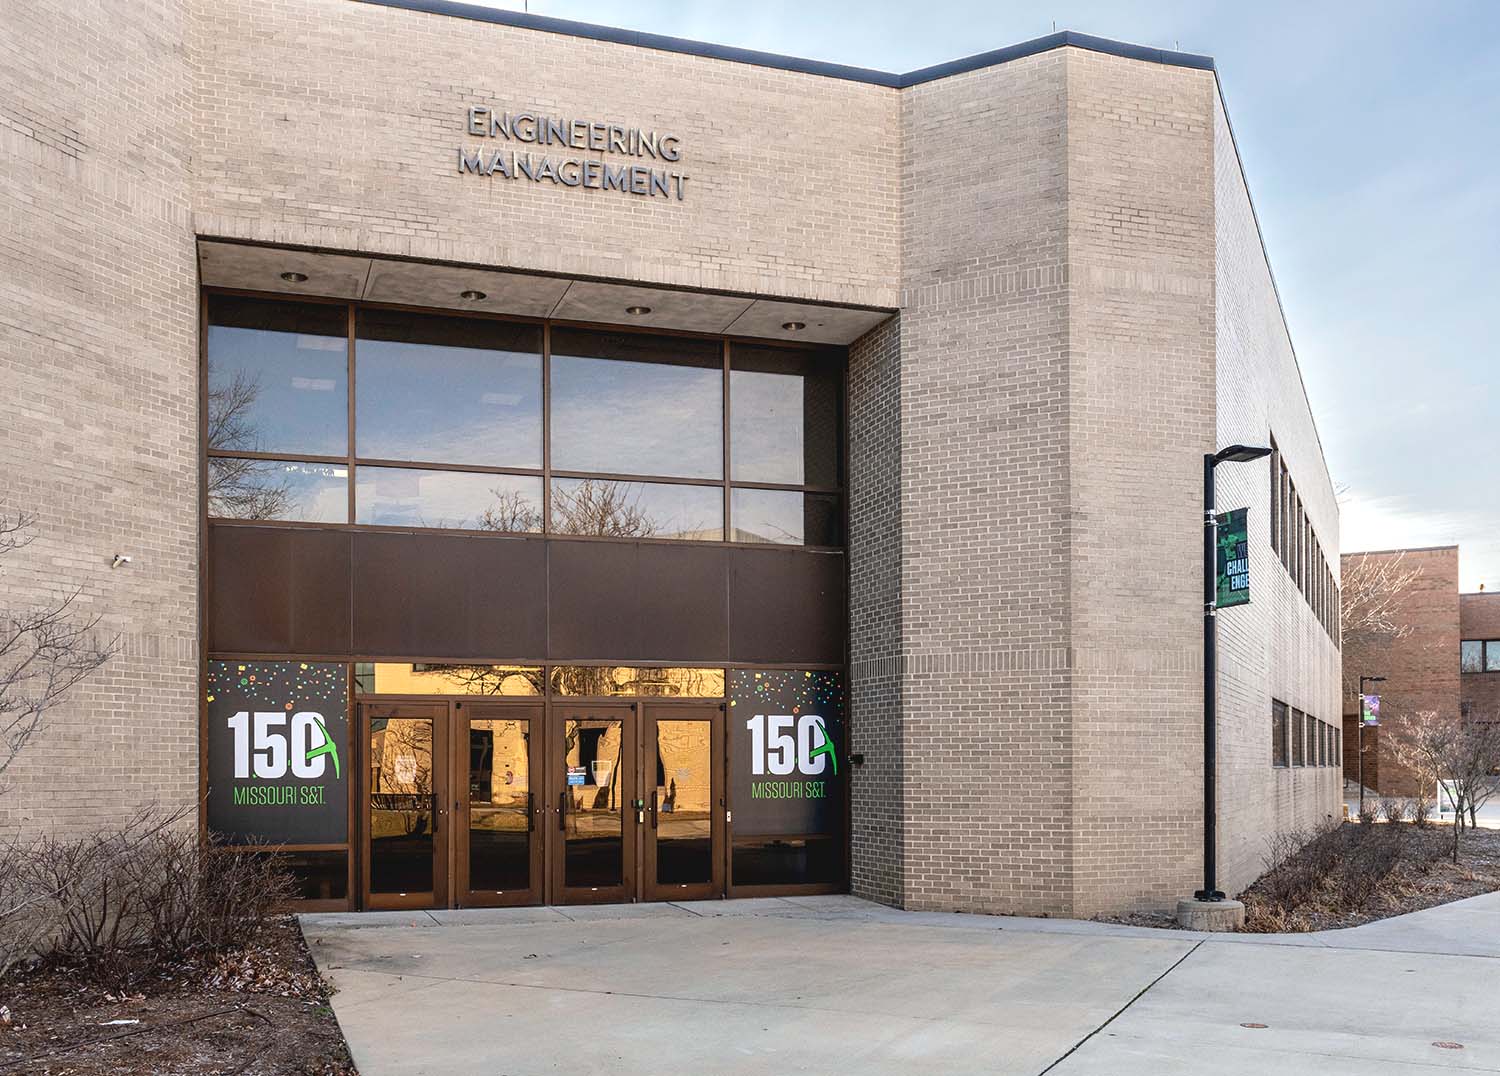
[{"x": 835, "y": 984}]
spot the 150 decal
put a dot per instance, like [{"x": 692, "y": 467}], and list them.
[
  {"x": 774, "y": 748},
  {"x": 305, "y": 747}
]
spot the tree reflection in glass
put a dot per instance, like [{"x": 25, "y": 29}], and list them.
[{"x": 614, "y": 509}]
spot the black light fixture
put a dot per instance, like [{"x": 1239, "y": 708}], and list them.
[
  {"x": 1241, "y": 454},
  {"x": 473, "y": 295},
  {"x": 794, "y": 326},
  {"x": 637, "y": 311},
  {"x": 293, "y": 277}
]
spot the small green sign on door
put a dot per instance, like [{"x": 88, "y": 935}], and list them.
[{"x": 1233, "y": 559}]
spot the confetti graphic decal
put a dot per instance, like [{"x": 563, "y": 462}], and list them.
[{"x": 278, "y": 748}]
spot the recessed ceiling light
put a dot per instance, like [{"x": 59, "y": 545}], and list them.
[
  {"x": 473, "y": 295},
  {"x": 294, "y": 278},
  {"x": 637, "y": 310},
  {"x": 794, "y": 326}
]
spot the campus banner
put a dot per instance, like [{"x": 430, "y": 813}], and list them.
[
  {"x": 278, "y": 752},
  {"x": 787, "y": 763},
  {"x": 1233, "y": 559}
]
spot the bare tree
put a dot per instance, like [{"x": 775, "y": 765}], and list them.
[
  {"x": 1463, "y": 754},
  {"x": 511, "y": 510},
  {"x": 44, "y": 652},
  {"x": 240, "y": 488},
  {"x": 601, "y": 507},
  {"x": 1372, "y": 587}
]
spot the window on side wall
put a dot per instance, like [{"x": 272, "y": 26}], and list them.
[
  {"x": 1299, "y": 743},
  {"x": 1278, "y": 733}
]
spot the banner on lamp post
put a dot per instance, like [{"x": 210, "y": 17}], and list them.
[
  {"x": 1369, "y": 709},
  {"x": 1233, "y": 559}
]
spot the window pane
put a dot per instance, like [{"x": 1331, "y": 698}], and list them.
[
  {"x": 784, "y": 516},
  {"x": 1278, "y": 734},
  {"x": 277, "y": 377},
  {"x": 448, "y": 390},
  {"x": 1299, "y": 757},
  {"x": 784, "y": 416},
  {"x": 405, "y": 678},
  {"x": 1471, "y": 655},
  {"x": 318, "y": 875},
  {"x": 624, "y": 403},
  {"x": 669, "y": 682},
  {"x": 278, "y": 489},
  {"x": 786, "y": 861},
  {"x": 405, "y": 497},
  {"x": 637, "y": 509},
  {"x": 1492, "y": 656}
]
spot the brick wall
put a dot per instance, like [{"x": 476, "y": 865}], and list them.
[
  {"x": 98, "y": 392},
  {"x": 877, "y": 839},
  {"x": 1479, "y": 618},
  {"x": 334, "y": 124},
  {"x": 1421, "y": 668},
  {"x": 987, "y": 728},
  {"x": 1275, "y": 647},
  {"x": 1141, "y": 414}
]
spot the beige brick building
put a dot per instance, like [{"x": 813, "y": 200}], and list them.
[{"x": 1034, "y": 279}]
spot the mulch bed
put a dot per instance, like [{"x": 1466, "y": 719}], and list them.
[
  {"x": 261, "y": 1011},
  {"x": 1423, "y": 877}
]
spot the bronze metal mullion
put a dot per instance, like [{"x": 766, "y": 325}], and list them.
[
  {"x": 546, "y": 427},
  {"x": 349, "y": 461},
  {"x": 724, "y": 459},
  {"x": 292, "y": 457},
  {"x": 664, "y": 480},
  {"x": 422, "y": 465}
]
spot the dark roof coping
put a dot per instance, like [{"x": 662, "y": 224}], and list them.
[{"x": 663, "y": 43}]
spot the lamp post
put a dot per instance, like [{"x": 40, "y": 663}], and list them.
[
  {"x": 1211, "y": 460},
  {"x": 1359, "y": 736}
]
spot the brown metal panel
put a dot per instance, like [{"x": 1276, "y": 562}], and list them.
[
  {"x": 592, "y": 600},
  {"x": 248, "y": 606},
  {"x": 383, "y": 592},
  {"x": 786, "y": 606},
  {"x": 455, "y": 595},
  {"x": 506, "y": 589},
  {"x": 319, "y": 580},
  {"x": 682, "y": 605}
]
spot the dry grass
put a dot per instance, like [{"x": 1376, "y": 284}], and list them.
[{"x": 1354, "y": 873}]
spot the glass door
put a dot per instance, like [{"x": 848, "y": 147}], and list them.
[
  {"x": 684, "y": 834},
  {"x": 597, "y": 805},
  {"x": 498, "y": 809},
  {"x": 405, "y": 829}
]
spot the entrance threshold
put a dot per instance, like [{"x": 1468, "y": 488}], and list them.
[{"x": 834, "y": 904}]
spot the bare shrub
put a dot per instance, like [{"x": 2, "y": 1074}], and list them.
[
  {"x": 118, "y": 904},
  {"x": 1369, "y": 862},
  {"x": 1393, "y": 809},
  {"x": 1421, "y": 812},
  {"x": 1369, "y": 811}
]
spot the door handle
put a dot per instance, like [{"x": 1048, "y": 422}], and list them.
[
  {"x": 562, "y": 811},
  {"x": 653, "y": 808},
  {"x": 434, "y": 800},
  {"x": 530, "y": 815}
]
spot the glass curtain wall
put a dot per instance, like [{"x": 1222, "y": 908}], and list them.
[{"x": 343, "y": 414}]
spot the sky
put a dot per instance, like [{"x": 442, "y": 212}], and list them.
[{"x": 1370, "y": 135}]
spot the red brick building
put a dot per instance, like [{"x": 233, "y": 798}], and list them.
[{"x": 1447, "y": 663}]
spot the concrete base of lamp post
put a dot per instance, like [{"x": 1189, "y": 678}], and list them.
[{"x": 1220, "y": 916}]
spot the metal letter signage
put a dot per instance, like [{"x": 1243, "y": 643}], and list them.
[
  {"x": 278, "y": 752},
  {"x": 786, "y": 731},
  {"x": 638, "y": 176},
  {"x": 1233, "y": 559}
]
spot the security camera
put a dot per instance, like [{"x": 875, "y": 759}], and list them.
[{"x": 120, "y": 559}]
